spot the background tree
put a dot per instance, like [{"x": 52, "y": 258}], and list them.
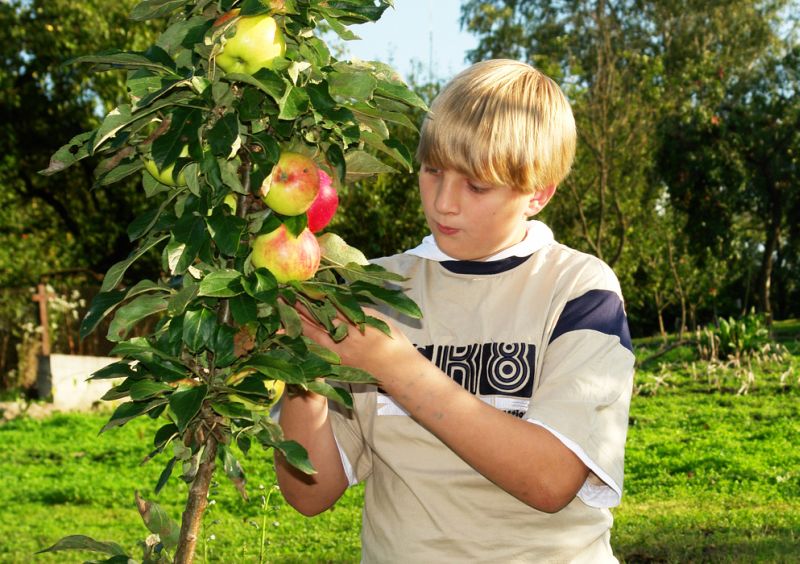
[
  {"x": 634, "y": 70},
  {"x": 65, "y": 222}
]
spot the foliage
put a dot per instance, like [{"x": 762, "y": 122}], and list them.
[
  {"x": 648, "y": 82},
  {"x": 226, "y": 330},
  {"x": 53, "y": 224}
]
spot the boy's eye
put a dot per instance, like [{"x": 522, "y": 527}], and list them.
[
  {"x": 431, "y": 170},
  {"x": 477, "y": 189}
]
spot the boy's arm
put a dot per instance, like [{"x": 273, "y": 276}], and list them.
[
  {"x": 304, "y": 418},
  {"x": 525, "y": 460}
]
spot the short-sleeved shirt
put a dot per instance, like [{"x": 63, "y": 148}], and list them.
[{"x": 542, "y": 337}]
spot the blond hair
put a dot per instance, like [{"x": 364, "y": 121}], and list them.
[{"x": 501, "y": 122}]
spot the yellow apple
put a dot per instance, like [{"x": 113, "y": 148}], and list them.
[
  {"x": 165, "y": 175},
  {"x": 257, "y": 42}
]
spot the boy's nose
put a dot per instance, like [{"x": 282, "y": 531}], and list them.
[{"x": 447, "y": 195}]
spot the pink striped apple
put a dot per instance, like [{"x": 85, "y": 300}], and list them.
[
  {"x": 292, "y": 185},
  {"x": 287, "y": 257}
]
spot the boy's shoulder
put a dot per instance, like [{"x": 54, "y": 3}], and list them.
[{"x": 579, "y": 267}]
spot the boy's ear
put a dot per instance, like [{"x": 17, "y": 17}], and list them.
[{"x": 539, "y": 200}]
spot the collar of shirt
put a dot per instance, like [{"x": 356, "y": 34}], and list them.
[{"x": 537, "y": 236}]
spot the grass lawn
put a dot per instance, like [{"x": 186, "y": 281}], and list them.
[{"x": 711, "y": 476}]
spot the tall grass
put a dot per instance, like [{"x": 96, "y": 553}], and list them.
[{"x": 711, "y": 476}]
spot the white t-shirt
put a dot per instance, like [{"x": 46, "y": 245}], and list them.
[{"x": 538, "y": 331}]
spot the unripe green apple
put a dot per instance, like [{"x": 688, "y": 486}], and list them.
[
  {"x": 292, "y": 185},
  {"x": 165, "y": 176},
  {"x": 257, "y": 43},
  {"x": 324, "y": 206},
  {"x": 274, "y": 388},
  {"x": 287, "y": 257},
  {"x": 230, "y": 201}
]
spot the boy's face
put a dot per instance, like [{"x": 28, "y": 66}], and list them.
[{"x": 471, "y": 220}]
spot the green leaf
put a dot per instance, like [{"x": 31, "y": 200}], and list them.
[
  {"x": 190, "y": 235},
  {"x": 336, "y": 159},
  {"x": 198, "y": 328},
  {"x": 349, "y": 84},
  {"x": 122, "y": 170},
  {"x": 145, "y": 389},
  {"x": 265, "y": 80},
  {"x": 115, "y": 120},
  {"x": 394, "y": 298},
  {"x": 179, "y": 301},
  {"x": 223, "y": 346},
  {"x": 157, "y": 521},
  {"x": 151, "y": 9},
  {"x": 331, "y": 392},
  {"x": 102, "y": 304},
  {"x": 186, "y": 404},
  {"x": 361, "y": 164},
  {"x": 116, "y": 59},
  {"x": 233, "y": 470},
  {"x": 351, "y": 374},
  {"x": 295, "y": 455},
  {"x": 335, "y": 250},
  {"x": 130, "y": 410},
  {"x": 117, "y": 271},
  {"x": 244, "y": 309},
  {"x": 222, "y": 284},
  {"x": 293, "y": 103},
  {"x": 349, "y": 306},
  {"x": 223, "y": 135},
  {"x": 399, "y": 91},
  {"x": 131, "y": 313},
  {"x": 290, "y": 319},
  {"x": 340, "y": 29},
  {"x": 227, "y": 231},
  {"x": 390, "y": 147},
  {"x": 120, "y": 369},
  {"x": 276, "y": 368},
  {"x": 165, "y": 434},
  {"x": 234, "y": 410},
  {"x": 82, "y": 542},
  {"x": 69, "y": 154},
  {"x": 261, "y": 285},
  {"x": 165, "y": 474}
]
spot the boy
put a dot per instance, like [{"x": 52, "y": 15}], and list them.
[{"x": 497, "y": 430}]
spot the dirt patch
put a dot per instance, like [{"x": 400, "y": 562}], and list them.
[{"x": 37, "y": 410}]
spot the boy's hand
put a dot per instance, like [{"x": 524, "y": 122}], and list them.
[{"x": 371, "y": 350}]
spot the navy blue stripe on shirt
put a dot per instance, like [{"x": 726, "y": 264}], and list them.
[
  {"x": 483, "y": 267},
  {"x": 597, "y": 310}
]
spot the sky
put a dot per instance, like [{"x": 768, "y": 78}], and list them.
[{"x": 423, "y": 31}]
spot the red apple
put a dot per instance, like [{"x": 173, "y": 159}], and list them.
[
  {"x": 292, "y": 185},
  {"x": 324, "y": 206},
  {"x": 287, "y": 257}
]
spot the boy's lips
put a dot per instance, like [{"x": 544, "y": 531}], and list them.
[{"x": 445, "y": 230}]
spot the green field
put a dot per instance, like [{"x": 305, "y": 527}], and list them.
[{"x": 711, "y": 476}]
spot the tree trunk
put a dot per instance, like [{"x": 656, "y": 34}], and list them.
[
  {"x": 196, "y": 504},
  {"x": 773, "y": 237}
]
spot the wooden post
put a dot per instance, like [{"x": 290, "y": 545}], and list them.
[{"x": 42, "y": 296}]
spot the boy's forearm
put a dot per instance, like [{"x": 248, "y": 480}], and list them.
[
  {"x": 304, "y": 419},
  {"x": 521, "y": 458}
]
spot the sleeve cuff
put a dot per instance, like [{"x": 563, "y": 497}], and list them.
[{"x": 606, "y": 494}]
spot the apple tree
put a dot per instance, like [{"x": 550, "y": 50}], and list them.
[{"x": 228, "y": 90}]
